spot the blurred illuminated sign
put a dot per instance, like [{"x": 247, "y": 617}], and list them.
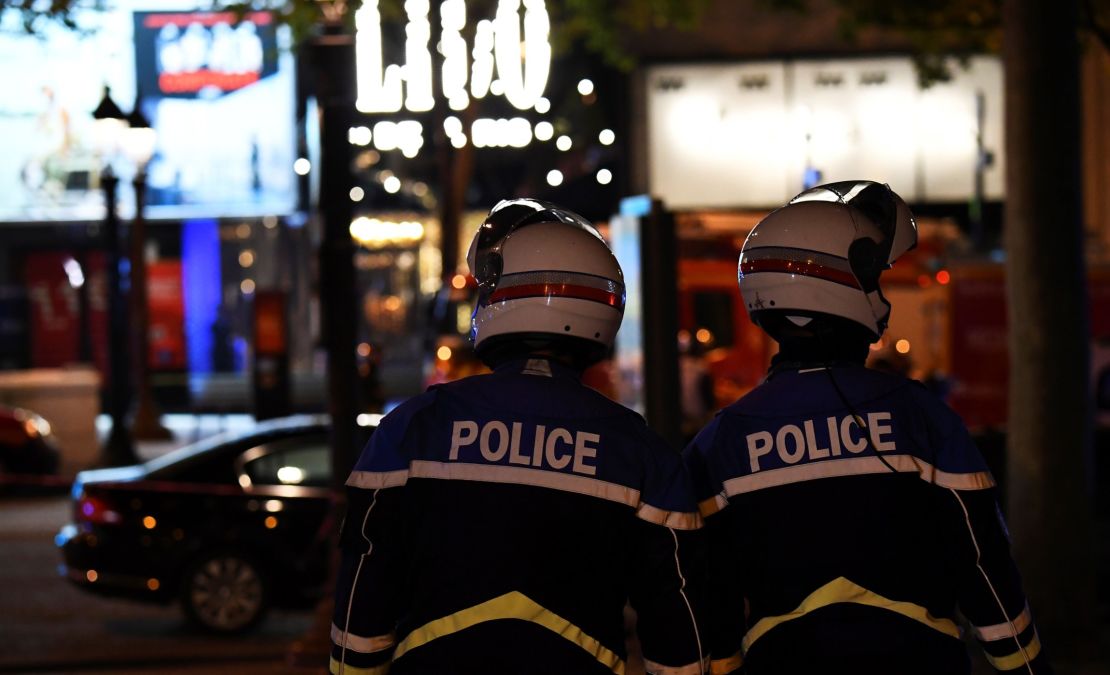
[
  {"x": 375, "y": 233},
  {"x": 219, "y": 94},
  {"x": 507, "y": 61},
  {"x": 202, "y": 53},
  {"x": 498, "y": 42},
  {"x": 754, "y": 134}
]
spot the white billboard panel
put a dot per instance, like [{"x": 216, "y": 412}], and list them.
[
  {"x": 750, "y": 135},
  {"x": 218, "y": 91}
]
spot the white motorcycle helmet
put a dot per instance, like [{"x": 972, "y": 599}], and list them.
[
  {"x": 821, "y": 256},
  {"x": 546, "y": 280}
]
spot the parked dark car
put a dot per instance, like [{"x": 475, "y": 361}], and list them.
[
  {"x": 27, "y": 444},
  {"x": 230, "y": 526}
]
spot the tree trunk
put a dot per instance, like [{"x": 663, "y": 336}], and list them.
[{"x": 1050, "y": 410}]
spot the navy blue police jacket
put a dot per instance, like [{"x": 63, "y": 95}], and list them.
[
  {"x": 849, "y": 518},
  {"x": 501, "y": 523}
]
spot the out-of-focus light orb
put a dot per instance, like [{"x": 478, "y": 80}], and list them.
[
  {"x": 606, "y": 137},
  {"x": 246, "y": 258},
  {"x": 357, "y": 194},
  {"x": 392, "y": 185},
  {"x": 585, "y": 87},
  {"x": 704, "y": 335},
  {"x": 563, "y": 143},
  {"x": 364, "y": 349},
  {"x": 420, "y": 188},
  {"x": 247, "y": 286},
  {"x": 544, "y": 131},
  {"x": 458, "y": 141},
  {"x": 554, "y": 177},
  {"x": 497, "y": 88},
  {"x": 943, "y": 277},
  {"x": 271, "y": 522},
  {"x": 290, "y": 475},
  {"x": 359, "y": 135},
  {"x": 149, "y": 522},
  {"x": 605, "y": 176},
  {"x": 542, "y": 105},
  {"x": 902, "y": 346},
  {"x": 443, "y": 353},
  {"x": 369, "y": 419},
  {"x": 458, "y": 281},
  {"x": 302, "y": 166}
]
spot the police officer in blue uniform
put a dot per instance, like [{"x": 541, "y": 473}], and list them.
[
  {"x": 500, "y": 523},
  {"x": 849, "y": 515}
]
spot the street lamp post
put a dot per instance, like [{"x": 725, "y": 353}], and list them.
[
  {"x": 138, "y": 145},
  {"x": 119, "y": 448}
]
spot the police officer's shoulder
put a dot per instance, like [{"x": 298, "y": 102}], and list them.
[
  {"x": 397, "y": 420},
  {"x": 704, "y": 440},
  {"x": 935, "y": 409}
]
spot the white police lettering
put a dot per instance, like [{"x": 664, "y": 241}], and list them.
[
  {"x": 549, "y": 449},
  {"x": 794, "y": 443},
  {"x": 759, "y": 444},
  {"x": 790, "y": 431},
  {"x": 502, "y": 441},
  {"x": 514, "y": 455},
  {"x": 582, "y": 451},
  {"x": 851, "y": 443},
  {"x": 463, "y": 432},
  {"x": 556, "y": 448},
  {"x": 877, "y": 429}
]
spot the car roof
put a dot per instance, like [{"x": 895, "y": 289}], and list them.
[{"x": 260, "y": 433}]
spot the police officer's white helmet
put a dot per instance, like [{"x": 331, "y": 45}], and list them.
[
  {"x": 546, "y": 279},
  {"x": 822, "y": 254}
]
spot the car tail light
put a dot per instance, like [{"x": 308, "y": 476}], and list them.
[{"x": 96, "y": 509}]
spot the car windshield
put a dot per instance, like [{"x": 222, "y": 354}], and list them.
[
  {"x": 260, "y": 433},
  {"x": 192, "y": 450}
]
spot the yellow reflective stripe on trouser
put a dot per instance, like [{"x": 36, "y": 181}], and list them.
[
  {"x": 843, "y": 590},
  {"x": 1002, "y": 631},
  {"x": 358, "y": 643},
  {"x": 695, "y": 668},
  {"x": 348, "y": 669},
  {"x": 512, "y": 605},
  {"x": 1017, "y": 659},
  {"x": 724, "y": 666}
]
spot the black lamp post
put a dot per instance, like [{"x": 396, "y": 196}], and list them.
[
  {"x": 119, "y": 449},
  {"x": 139, "y": 141}
]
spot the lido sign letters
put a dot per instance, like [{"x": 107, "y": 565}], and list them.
[{"x": 520, "y": 59}]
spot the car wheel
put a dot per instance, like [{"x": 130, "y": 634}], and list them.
[{"x": 224, "y": 592}]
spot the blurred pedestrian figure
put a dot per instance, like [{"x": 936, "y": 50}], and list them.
[
  {"x": 849, "y": 514},
  {"x": 697, "y": 395},
  {"x": 499, "y": 524}
]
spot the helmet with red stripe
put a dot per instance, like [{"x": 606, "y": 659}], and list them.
[
  {"x": 821, "y": 256},
  {"x": 546, "y": 281}
]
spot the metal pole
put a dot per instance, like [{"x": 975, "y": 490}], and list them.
[
  {"x": 333, "y": 61},
  {"x": 146, "y": 423},
  {"x": 119, "y": 449},
  {"x": 334, "y": 58},
  {"x": 658, "y": 263}
]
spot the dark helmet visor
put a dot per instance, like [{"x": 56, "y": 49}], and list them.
[{"x": 508, "y": 216}]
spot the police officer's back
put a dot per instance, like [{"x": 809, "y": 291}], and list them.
[
  {"x": 500, "y": 523},
  {"x": 849, "y": 514}
]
